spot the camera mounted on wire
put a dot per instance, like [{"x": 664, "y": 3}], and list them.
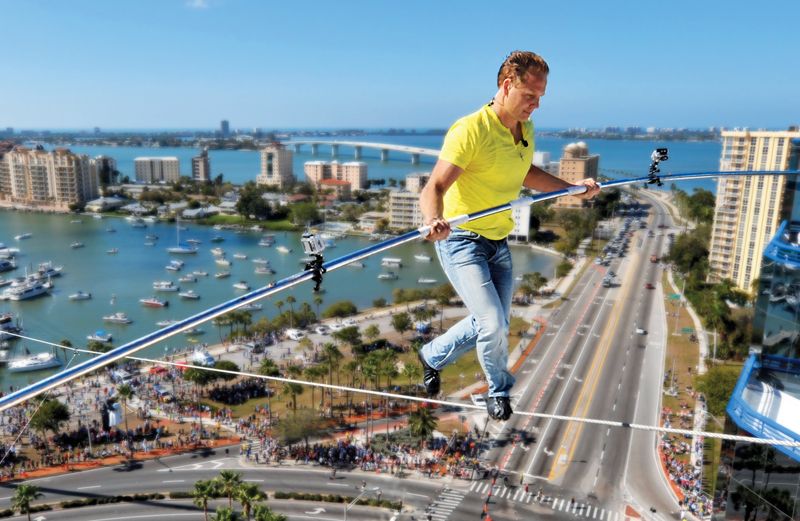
[
  {"x": 313, "y": 246},
  {"x": 658, "y": 155}
]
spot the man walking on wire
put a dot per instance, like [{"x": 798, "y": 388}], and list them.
[{"x": 485, "y": 160}]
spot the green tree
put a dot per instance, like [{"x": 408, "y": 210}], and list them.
[
  {"x": 227, "y": 482},
  {"x": 412, "y": 372},
  {"x": 372, "y": 332},
  {"x": 226, "y": 365},
  {"x": 299, "y": 427},
  {"x": 262, "y": 512},
  {"x": 23, "y": 496},
  {"x": 226, "y": 514},
  {"x": 340, "y": 309},
  {"x": 421, "y": 423},
  {"x": 268, "y": 367},
  {"x": 125, "y": 393},
  {"x": 318, "y": 302},
  {"x": 717, "y": 386},
  {"x": 202, "y": 493},
  {"x": 379, "y": 302},
  {"x": 401, "y": 322},
  {"x": 49, "y": 417},
  {"x": 291, "y": 300},
  {"x": 98, "y": 347},
  {"x": 303, "y": 213},
  {"x": 247, "y": 494}
]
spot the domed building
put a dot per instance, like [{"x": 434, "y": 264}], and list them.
[{"x": 576, "y": 165}]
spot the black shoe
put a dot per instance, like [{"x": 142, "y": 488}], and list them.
[
  {"x": 430, "y": 377},
  {"x": 499, "y": 407}
]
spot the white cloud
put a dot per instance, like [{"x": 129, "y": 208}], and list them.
[{"x": 197, "y": 4}]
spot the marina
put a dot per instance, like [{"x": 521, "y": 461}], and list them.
[{"x": 117, "y": 282}]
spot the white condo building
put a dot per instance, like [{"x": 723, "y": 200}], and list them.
[
  {"x": 38, "y": 177},
  {"x": 276, "y": 166},
  {"x": 150, "y": 170},
  {"x": 404, "y": 210},
  {"x": 353, "y": 172},
  {"x": 748, "y": 209}
]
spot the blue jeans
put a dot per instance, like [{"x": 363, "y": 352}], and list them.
[{"x": 480, "y": 271}]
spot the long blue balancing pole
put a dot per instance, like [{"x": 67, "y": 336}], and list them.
[{"x": 134, "y": 346}]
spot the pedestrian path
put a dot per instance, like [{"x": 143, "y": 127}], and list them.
[
  {"x": 567, "y": 505},
  {"x": 445, "y": 504}
]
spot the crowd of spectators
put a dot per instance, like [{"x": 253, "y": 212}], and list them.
[{"x": 239, "y": 392}]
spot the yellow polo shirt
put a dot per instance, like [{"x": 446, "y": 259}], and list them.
[{"x": 494, "y": 169}]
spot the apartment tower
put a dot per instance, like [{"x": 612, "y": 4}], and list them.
[{"x": 748, "y": 210}]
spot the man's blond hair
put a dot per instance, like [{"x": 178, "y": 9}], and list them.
[{"x": 519, "y": 63}]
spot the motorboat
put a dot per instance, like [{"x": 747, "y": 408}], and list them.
[
  {"x": 217, "y": 238},
  {"x": 239, "y": 256},
  {"x": 222, "y": 274},
  {"x": 222, "y": 262},
  {"x": 425, "y": 280},
  {"x": 149, "y": 243},
  {"x": 283, "y": 249},
  {"x": 264, "y": 270},
  {"x": 34, "y": 363},
  {"x": 175, "y": 265},
  {"x": 153, "y": 302},
  {"x": 150, "y": 219},
  {"x": 390, "y": 275},
  {"x": 80, "y": 295},
  {"x": 117, "y": 318},
  {"x": 242, "y": 285},
  {"x": 165, "y": 323},
  {"x": 260, "y": 261},
  {"x": 112, "y": 251},
  {"x": 75, "y": 245},
  {"x": 151, "y": 237},
  {"x": 101, "y": 336},
  {"x": 111, "y": 230},
  {"x": 97, "y": 216},
  {"x": 200, "y": 273},
  {"x": 218, "y": 227},
  {"x": 188, "y": 278},
  {"x": 165, "y": 285},
  {"x": 305, "y": 260},
  {"x": 195, "y": 331},
  {"x": 217, "y": 252},
  {"x": 46, "y": 270},
  {"x": 356, "y": 264},
  {"x": 422, "y": 257},
  {"x": 265, "y": 243},
  {"x": 195, "y": 242},
  {"x": 76, "y": 221},
  {"x": 8, "y": 253},
  {"x": 253, "y": 306},
  {"x": 189, "y": 294},
  {"x": 28, "y": 288},
  {"x": 394, "y": 262},
  {"x": 7, "y": 265},
  {"x": 23, "y": 236}
]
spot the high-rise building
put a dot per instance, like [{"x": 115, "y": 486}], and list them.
[
  {"x": 201, "y": 166},
  {"x": 37, "y": 177},
  {"x": 762, "y": 482},
  {"x": 276, "y": 166},
  {"x": 150, "y": 170},
  {"x": 404, "y": 209},
  {"x": 224, "y": 128},
  {"x": 576, "y": 165},
  {"x": 353, "y": 172},
  {"x": 106, "y": 166},
  {"x": 748, "y": 209}
]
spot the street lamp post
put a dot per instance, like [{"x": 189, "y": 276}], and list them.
[{"x": 354, "y": 501}]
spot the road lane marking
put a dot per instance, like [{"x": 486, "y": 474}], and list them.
[
  {"x": 174, "y": 481},
  {"x": 418, "y": 495},
  {"x": 337, "y": 485},
  {"x": 87, "y": 488}
]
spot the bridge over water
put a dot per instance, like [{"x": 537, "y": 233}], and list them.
[{"x": 358, "y": 146}]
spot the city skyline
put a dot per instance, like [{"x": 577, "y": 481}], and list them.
[{"x": 372, "y": 66}]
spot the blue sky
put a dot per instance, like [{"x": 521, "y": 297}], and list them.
[{"x": 379, "y": 64}]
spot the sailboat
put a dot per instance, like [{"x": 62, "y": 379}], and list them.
[{"x": 181, "y": 248}]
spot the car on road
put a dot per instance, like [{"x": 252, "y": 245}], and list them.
[
  {"x": 649, "y": 285},
  {"x": 349, "y": 322},
  {"x": 641, "y": 331},
  {"x": 322, "y": 330},
  {"x": 478, "y": 400},
  {"x": 336, "y": 326},
  {"x": 295, "y": 334}
]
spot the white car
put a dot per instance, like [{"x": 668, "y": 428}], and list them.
[
  {"x": 322, "y": 330},
  {"x": 478, "y": 400},
  {"x": 295, "y": 334},
  {"x": 348, "y": 322},
  {"x": 641, "y": 331},
  {"x": 336, "y": 326}
]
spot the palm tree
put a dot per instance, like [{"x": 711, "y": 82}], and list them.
[
  {"x": 291, "y": 300},
  {"x": 225, "y": 514},
  {"x": 228, "y": 481},
  {"x": 421, "y": 423},
  {"x": 202, "y": 493},
  {"x": 268, "y": 367},
  {"x": 293, "y": 389},
  {"x": 23, "y": 496},
  {"x": 312, "y": 373},
  {"x": 334, "y": 358},
  {"x": 413, "y": 373},
  {"x": 372, "y": 332},
  {"x": 279, "y": 305},
  {"x": 125, "y": 393},
  {"x": 65, "y": 343},
  {"x": 262, "y": 512},
  {"x": 318, "y": 303},
  {"x": 247, "y": 494}
]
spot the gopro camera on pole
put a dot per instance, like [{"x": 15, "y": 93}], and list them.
[
  {"x": 313, "y": 246},
  {"x": 658, "y": 155}
]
